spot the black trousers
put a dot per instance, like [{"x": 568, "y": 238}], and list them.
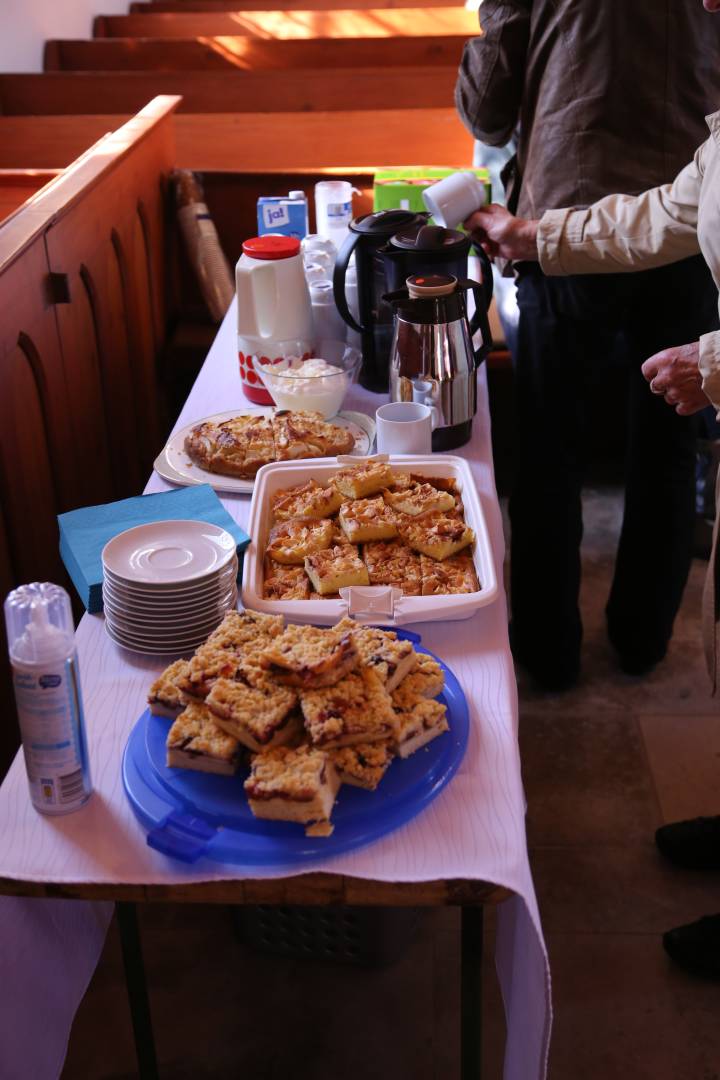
[{"x": 571, "y": 330}]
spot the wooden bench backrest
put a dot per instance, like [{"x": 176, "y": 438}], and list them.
[
  {"x": 248, "y": 53},
  {"x": 373, "y": 22},
  {"x": 81, "y": 317},
  {"x": 300, "y": 90},
  {"x": 150, "y": 7},
  {"x": 81, "y": 313},
  {"x": 260, "y": 142},
  {"x": 18, "y": 185}
]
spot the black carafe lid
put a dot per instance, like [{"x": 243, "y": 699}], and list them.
[
  {"x": 427, "y": 238},
  {"x": 384, "y": 223}
]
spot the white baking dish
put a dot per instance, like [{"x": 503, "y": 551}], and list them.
[{"x": 375, "y": 603}]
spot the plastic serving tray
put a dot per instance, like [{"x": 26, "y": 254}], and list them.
[
  {"x": 190, "y": 815},
  {"x": 374, "y": 603}
]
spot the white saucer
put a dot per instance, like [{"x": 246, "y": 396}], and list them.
[
  {"x": 153, "y": 650},
  {"x": 156, "y": 624},
  {"x": 168, "y": 552},
  {"x": 168, "y": 594},
  {"x": 188, "y": 640},
  {"x": 144, "y": 616}
]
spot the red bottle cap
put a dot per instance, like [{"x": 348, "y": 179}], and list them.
[{"x": 271, "y": 247}]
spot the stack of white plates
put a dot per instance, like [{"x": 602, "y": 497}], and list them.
[{"x": 168, "y": 584}]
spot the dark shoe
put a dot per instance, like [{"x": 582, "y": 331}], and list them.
[
  {"x": 554, "y": 675},
  {"x": 637, "y": 654},
  {"x": 694, "y": 844},
  {"x": 696, "y": 947}
]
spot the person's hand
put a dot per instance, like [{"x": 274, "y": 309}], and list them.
[
  {"x": 675, "y": 374},
  {"x": 500, "y": 234}
]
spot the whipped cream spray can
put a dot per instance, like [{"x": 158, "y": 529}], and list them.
[{"x": 46, "y": 678}]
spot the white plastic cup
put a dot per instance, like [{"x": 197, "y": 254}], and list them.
[
  {"x": 454, "y": 199},
  {"x": 322, "y": 259},
  {"x": 315, "y": 272},
  {"x": 313, "y": 243},
  {"x": 327, "y": 320},
  {"x": 333, "y": 209},
  {"x": 405, "y": 427}
]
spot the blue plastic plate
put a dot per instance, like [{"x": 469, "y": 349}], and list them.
[{"x": 190, "y": 815}]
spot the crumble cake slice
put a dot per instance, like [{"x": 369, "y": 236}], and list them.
[
  {"x": 419, "y": 499},
  {"x": 392, "y": 562},
  {"x": 165, "y": 697},
  {"x": 309, "y": 657},
  {"x": 339, "y": 539},
  {"x": 257, "y": 716},
  {"x": 208, "y": 663},
  {"x": 427, "y": 680},
  {"x": 306, "y": 435},
  {"x": 355, "y": 710},
  {"x": 335, "y": 569},
  {"x": 367, "y": 519},
  {"x": 436, "y": 535},
  {"x": 235, "y": 447},
  {"x": 309, "y": 500},
  {"x": 290, "y": 541},
  {"x": 364, "y": 764},
  {"x": 195, "y": 741},
  {"x": 282, "y": 582},
  {"x": 390, "y": 657},
  {"x": 455, "y": 575},
  {"x": 357, "y": 481},
  {"x": 418, "y": 723},
  {"x": 293, "y": 784},
  {"x": 238, "y": 637},
  {"x": 241, "y": 630}
]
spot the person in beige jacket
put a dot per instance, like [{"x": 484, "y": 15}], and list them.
[{"x": 625, "y": 233}]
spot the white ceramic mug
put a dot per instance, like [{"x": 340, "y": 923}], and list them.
[{"x": 405, "y": 427}]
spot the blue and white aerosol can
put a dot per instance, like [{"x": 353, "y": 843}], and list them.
[{"x": 46, "y": 677}]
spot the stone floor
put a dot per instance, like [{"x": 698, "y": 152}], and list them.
[{"x": 603, "y": 766}]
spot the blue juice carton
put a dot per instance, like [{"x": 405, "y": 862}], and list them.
[{"x": 286, "y": 215}]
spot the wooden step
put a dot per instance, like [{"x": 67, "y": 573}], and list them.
[
  {"x": 258, "y": 142},
  {"x": 299, "y": 90},
  {"x": 374, "y": 22},
  {"x": 143, "y": 7},
  {"x": 221, "y": 54}
]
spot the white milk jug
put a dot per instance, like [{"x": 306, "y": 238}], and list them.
[{"x": 273, "y": 306}]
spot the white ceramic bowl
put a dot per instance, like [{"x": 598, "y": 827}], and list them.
[{"x": 323, "y": 393}]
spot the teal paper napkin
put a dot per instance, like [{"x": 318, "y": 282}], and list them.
[{"x": 85, "y": 532}]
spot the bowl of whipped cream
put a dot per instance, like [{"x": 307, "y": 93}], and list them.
[{"x": 316, "y": 384}]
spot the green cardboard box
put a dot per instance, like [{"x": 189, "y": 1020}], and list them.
[{"x": 403, "y": 187}]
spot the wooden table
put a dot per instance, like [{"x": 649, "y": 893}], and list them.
[{"x": 466, "y": 849}]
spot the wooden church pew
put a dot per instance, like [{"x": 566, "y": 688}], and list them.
[
  {"x": 244, "y": 53},
  {"x": 19, "y": 185},
  {"x": 298, "y": 90},
  {"x": 373, "y": 22},
  {"x": 82, "y": 314},
  {"x": 145, "y": 7}
]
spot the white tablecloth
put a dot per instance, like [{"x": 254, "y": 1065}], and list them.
[{"x": 475, "y": 829}]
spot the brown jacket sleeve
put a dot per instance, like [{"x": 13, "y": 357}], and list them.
[{"x": 490, "y": 81}]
